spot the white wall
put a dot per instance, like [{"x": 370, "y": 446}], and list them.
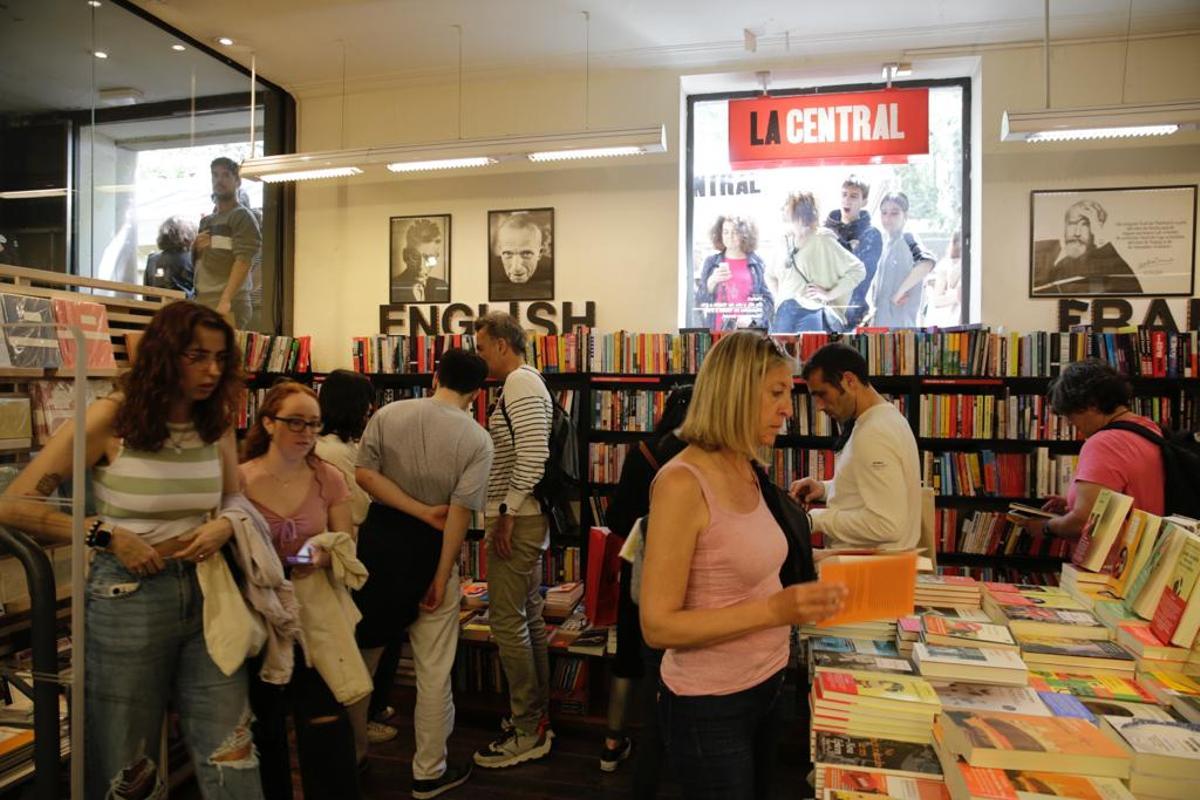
[
  {"x": 1159, "y": 70},
  {"x": 617, "y": 225}
]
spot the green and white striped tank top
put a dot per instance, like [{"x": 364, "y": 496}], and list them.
[{"x": 161, "y": 495}]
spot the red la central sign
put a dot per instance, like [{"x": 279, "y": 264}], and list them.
[{"x": 853, "y": 128}]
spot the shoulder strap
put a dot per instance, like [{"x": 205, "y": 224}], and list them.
[
  {"x": 648, "y": 454},
  {"x": 1133, "y": 427}
]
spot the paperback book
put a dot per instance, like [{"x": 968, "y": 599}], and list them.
[{"x": 1051, "y": 744}]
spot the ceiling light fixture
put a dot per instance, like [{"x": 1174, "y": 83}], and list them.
[
  {"x": 32, "y": 194},
  {"x": 311, "y": 174},
  {"x": 1100, "y": 122},
  {"x": 178, "y": 48},
  {"x": 1122, "y": 121},
  {"x": 94, "y": 3},
  {"x": 100, "y": 54},
  {"x": 585, "y": 152},
  {"x": 225, "y": 40},
  {"x": 896, "y": 69},
  {"x": 440, "y": 163},
  {"x": 465, "y": 153}
]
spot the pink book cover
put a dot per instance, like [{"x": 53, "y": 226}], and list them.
[{"x": 92, "y": 318}]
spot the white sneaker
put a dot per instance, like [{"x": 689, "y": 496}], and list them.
[
  {"x": 513, "y": 748},
  {"x": 378, "y": 732}
]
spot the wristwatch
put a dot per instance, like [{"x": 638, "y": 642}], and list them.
[{"x": 99, "y": 535}]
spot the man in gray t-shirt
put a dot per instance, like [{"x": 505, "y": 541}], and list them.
[
  {"x": 425, "y": 463},
  {"x": 228, "y": 242}
]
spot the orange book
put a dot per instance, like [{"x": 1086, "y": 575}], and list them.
[{"x": 881, "y": 586}]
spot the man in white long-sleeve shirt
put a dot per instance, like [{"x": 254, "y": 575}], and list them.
[
  {"x": 517, "y": 535},
  {"x": 874, "y": 499}
]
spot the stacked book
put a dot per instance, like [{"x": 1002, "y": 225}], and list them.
[
  {"x": 894, "y": 707},
  {"x": 886, "y": 759},
  {"x": 970, "y": 743},
  {"x": 939, "y": 630},
  {"x": 1165, "y": 755},
  {"x": 849, "y": 784},
  {"x": 562, "y": 599},
  {"x": 1150, "y": 653},
  {"x": 874, "y": 630},
  {"x": 911, "y": 629},
  {"x": 954, "y": 591},
  {"x": 1030, "y": 610},
  {"x": 856, "y": 656},
  {"x": 1050, "y": 653},
  {"x": 970, "y": 665}
]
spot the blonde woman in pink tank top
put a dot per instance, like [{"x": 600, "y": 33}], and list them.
[{"x": 711, "y": 594}]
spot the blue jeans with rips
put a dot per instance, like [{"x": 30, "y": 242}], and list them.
[
  {"x": 723, "y": 747},
  {"x": 145, "y": 648}
]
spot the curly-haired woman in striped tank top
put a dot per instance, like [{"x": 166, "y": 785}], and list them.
[{"x": 162, "y": 457}]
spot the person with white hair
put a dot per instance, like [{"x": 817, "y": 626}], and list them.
[{"x": 1085, "y": 261}]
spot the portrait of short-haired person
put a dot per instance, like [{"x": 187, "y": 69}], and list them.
[
  {"x": 420, "y": 259},
  {"x": 1084, "y": 261},
  {"x": 521, "y": 254}
]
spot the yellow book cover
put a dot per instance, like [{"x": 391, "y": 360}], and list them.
[{"x": 844, "y": 687}]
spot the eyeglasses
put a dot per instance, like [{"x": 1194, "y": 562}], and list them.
[{"x": 298, "y": 424}]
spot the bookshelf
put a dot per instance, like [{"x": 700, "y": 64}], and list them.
[
  {"x": 987, "y": 387},
  {"x": 614, "y": 376}
]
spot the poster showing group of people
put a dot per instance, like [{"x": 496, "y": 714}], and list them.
[{"x": 792, "y": 246}]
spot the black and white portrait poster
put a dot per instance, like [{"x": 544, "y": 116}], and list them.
[
  {"x": 1122, "y": 242},
  {"x": 420, "y": 262},
  {"x": 521, "y": 254}
]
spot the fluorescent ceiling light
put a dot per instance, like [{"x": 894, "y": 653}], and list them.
[
  {"x": 29, "y": 194},
  {"x": 1100, "y": 122},
  {"x": 585, "y": 152},
  {"x": 311, "y": 174},
  {"x": 1075, "y": 134},
  {"x": 440, "y": 163},
  {"x": 463, "y": 153}
]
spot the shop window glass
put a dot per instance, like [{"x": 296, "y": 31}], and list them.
[{"x": 753, "y": 261}]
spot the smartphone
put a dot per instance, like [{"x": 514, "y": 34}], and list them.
[{"x": 302, "y": 558}]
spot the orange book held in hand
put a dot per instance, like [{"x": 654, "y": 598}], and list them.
[{"x": 880, "y": 586}]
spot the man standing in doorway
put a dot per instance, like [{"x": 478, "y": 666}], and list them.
[
  {"x": 228, "y": 242},
  {"x": 517, "y": 536},
  {"x": 852, "y": 225},
  {"x": 874, "y": 499}
]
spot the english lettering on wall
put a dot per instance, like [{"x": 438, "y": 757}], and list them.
[{"x": 442, "y": 318}]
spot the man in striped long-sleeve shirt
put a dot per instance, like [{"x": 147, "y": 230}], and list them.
[{"x": 517, "y": 535}]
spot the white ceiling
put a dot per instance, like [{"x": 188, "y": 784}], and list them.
[
  {"x": 46, "y": 60},
  {"x": 298, "y": 43}
]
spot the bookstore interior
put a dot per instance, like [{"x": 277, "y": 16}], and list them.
[{"x": 915, "y": 282}]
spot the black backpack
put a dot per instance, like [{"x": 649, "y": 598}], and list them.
[
  {"x": 559, "y": 485},
  {"x": 1181, "y": 467}
]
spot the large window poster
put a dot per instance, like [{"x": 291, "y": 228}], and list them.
[{"x": 832, "y": 243}]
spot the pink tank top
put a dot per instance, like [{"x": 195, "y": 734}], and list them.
[{"x": 737, "y": 558}]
